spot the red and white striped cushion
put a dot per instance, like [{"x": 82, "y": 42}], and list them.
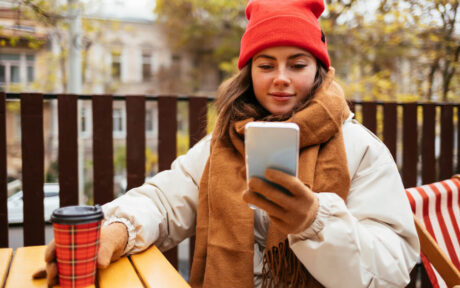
[{"x": 437, "y": 207}]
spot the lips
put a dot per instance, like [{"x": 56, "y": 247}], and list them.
[{"x": 281, "y": 96}]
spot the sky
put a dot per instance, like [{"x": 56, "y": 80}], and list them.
[{"x": 121, "y": 9}]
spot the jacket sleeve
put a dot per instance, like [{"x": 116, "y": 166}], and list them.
[
  {"x": 163, "y": 210},
  {"x": 370, "y": 240}
]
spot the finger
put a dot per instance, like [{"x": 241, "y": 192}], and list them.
[
  {"x": 271, "y": 208},
  {"x": 271, "y": 192},
  {"x": 116, "y": 255},
  {"x": 39, "y": 274},
  {"x": 280, "y": 224},
  {"x": 51, "y": 273},
  {"x": 117, "y": 233},
  {"x": 291, "y": 183},
  {"x": 104, "y": 256},
  {"x": 50, "y": 252}
]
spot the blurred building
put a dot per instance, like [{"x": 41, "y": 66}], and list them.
[
  {"x": 22, "y": 42},
  {"x": 119, "y": 57}
]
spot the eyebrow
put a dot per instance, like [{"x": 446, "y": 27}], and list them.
[{"x": 290, "y": 57}]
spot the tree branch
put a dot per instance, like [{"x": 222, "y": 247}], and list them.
[{"x": 49, "y": 18}]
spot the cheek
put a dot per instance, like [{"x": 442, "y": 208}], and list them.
[
  {"x": 259, "y": 85},
  {"x": 305, "y": 85}
]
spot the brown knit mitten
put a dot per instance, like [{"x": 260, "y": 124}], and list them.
[
  {"x": 111, "y": 247},
  {"x": 291, "y": 214},
  {"x": 114, "y": 238}
]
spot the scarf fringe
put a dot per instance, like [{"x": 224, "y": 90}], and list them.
[{"x": 281, "y": 268}]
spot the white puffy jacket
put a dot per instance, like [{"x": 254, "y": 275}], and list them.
[{"x": 368, "y": 241}]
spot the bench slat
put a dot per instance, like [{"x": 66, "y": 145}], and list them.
[
  {"x": 119, "y": 274},
  {"x": 26, "y": 261},
  {"x": 5, "y": 259},
  {"x": 156, "y": 271}
]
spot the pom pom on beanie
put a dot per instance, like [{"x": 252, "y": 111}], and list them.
[{"x": 283, "y": 23}]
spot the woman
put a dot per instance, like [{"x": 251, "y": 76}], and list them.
[{"x": 347, "y": 222}]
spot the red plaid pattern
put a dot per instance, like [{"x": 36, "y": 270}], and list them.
[
  {"x": 437, "y": 207},
  {"x": 76, "y": 253}
]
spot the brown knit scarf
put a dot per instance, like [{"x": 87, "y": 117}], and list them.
[{"x": 224, "y": 248}]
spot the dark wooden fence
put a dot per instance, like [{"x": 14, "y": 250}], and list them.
[
  {"x": 417, "y": 123},
  {"x": 419, "y": 163}
]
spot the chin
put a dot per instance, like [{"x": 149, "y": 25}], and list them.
[{"x": 280, "y": 111}]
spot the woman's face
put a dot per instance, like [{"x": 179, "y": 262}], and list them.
[{"x": 282, "y": 77}]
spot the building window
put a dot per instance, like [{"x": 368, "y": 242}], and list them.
[
  {"x": 14, "y": 74},
  {"x": 116, "y": 66},
  {"x": 16, "y": 68},
  {"x": 149, "y": 121},
  {"x": 146, "y": 66},
  {"x": 30, "y": 74},
  {"x": 176, "y": 65},
  {"x": 2, "y": 74},
  {"x": 30, "y": 60},
  {"x": 18, "y": 126},
  {"x": 118, "y": 127},
  {"x": 10, "y": 57},
  {"x": 83, "y": 119}
]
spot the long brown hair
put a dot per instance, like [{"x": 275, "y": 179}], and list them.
[{"x": 236, "y": 100}]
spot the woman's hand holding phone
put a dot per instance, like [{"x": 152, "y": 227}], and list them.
[{"x": 291, "y": 214}]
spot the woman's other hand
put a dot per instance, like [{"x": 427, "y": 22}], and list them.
[
  {"x": 290, "y": 213},
  {"x": 113, "y": 241}
]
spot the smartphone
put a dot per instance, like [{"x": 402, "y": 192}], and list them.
[{"x": 271, "y": 145}]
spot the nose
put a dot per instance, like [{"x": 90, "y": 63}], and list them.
[{"x": 281, "y": 78}]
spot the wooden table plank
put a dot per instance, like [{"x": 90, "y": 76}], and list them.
[
  {"x": 149, "y": 268},
  {"x": 119, "y": 274},
  {"x": 5, "y": 258},
  {"x": 156, "y": 271},
  {"x": 25, "y": 262}
]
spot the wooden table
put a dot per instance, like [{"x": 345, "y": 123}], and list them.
[{"x": 147, "y": 269}]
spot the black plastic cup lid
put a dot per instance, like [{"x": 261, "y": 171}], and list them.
[{"x": 77, "y": 214}]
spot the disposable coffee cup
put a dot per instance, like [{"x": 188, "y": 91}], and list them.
[{"x": 76, "y": 233}]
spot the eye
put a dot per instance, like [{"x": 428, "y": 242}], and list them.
[
  {"x": 265, "y": 66},
  {"x": 299, "y": 66}
]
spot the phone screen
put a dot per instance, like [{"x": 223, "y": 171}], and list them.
[{"x": 271, "y": 145}]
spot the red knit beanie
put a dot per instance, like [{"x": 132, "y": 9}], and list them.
[{"x": 283, "y": 23}]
